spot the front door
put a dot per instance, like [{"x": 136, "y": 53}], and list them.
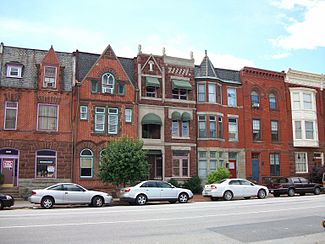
[
  {"x": 255, "y": 170},
  {"x": 8, "y": 170},
  {"x": 231, "y": 165}
]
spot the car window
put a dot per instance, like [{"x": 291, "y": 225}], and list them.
[
  {"x": 56, "y": 188},
  {"x": 245, "y": 182},
  {"x": 234, "y": 182},
  {"x": 149, "y": 184},
  {"x": 281, "y": 180},
  {"x": 72, "y": 188},
  {"x": 295, "y": 180},
  {"x": 303, "y": 180},
  {"x": 163, "y": 185}
]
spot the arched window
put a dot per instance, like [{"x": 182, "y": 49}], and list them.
[
  {"x": 151, "y": 124},
  {"x": 272, "y": 101},
  {"x": 255, "y": 99},
  {"x": 46, "y": 164},
  {"x": 151, "y": 63},
  {"x": 108, "y": 83},
  {"x": 86, "y": 163}
]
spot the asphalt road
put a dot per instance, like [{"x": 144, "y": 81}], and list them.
[{"x": 273, "y": 220}]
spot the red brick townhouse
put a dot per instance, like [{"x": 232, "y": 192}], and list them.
[
  {"x": 267, "y": 129},
  {"x": 306, "y": 104},
  {"x": 104, "y": 109},
  {"x": 35, "y": 125},
  {"x": 167, "y": 114},
  {"x": 220, "y": 137}
]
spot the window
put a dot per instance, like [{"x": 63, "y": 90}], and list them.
[
  {"x": 272, "y": 101},
  {"x": 274, "y": 131},
  {"x": 232, "y": 100},
  {"x": 112, "y": 120},
  {"x": 256, "y": 130},
  {"x": 151, "y": 91},
  {"x": 99, "y": 119},
  {"x": 220, "y": 128},
  {"x": 301, "y": 162},
  {"x": 47, "y": 117},
  {"x": 14, "y": 71},
  {"x": 83, "y": 113},
  {"x": 46, "y": 164},
  {"x": 86, "y": 163},
  {"x": 108, "y": 83},
  {"x": 202, "y": 165},
  {"x": 298, "y": 130},
  {"x": 274, "y": 164},
  {"x": 213, "y": 125},
  {"x": 212, "y": 93},
  {"x": 202, "y": 126},
  {"x": 255, "y": 99},
  {"x": 213, "y": 161},
  {"x": 180, "y": 94},
  {"x": 151, "y": 63},
  {"x": 232, "y": 129},
  {"x": 296, "y": 100},
  {"x": 10, "y": 121},
  {"x": 49, "y": 77},
  {"x": 121, "y": 89},
  {"x": 185, "y": 128},
  {"x": 219, "y": 94},
  {"x": 128, "y": 115},
  {"x": 175, "y": 130},
  {"x": 309, "y": 129},
  {"x": 201, "y": 92},
  {"x": 94, "y": 86},
  {"x": 180, "y": 164},
  {"x": 151, "y": 131},
  {"x": 307, "y": 100}
]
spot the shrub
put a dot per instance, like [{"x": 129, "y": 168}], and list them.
[
  {"x": 2, "y": 178},
  {"x": 218, "y": 175},
  {"x": 316, "y": 174},
  {"x": 194, "y": 184},
  {"x": 174, "y": 182}
]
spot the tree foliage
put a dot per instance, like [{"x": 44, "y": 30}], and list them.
[
  {"x": 219, "y": 174},
  {"x": 123, "y": 162}
]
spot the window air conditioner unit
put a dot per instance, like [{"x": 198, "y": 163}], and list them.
[
  {"x": 49, "y": 84},
  {"x": 255, "y": 105},
  {"x": 106, "y": 90},
  {"x": 317, "y": 156}
]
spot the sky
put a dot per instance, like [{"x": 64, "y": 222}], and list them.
[{"x": 268, "y": 34}]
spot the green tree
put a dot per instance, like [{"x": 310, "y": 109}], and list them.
[
  {"x": 123, "y": 162},
  {"x": 217, "y": 175}
]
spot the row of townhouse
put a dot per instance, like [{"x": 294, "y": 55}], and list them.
[{"x": 58, "y": 110}]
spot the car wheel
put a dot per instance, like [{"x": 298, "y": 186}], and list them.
[
  {"x": 1, "y": 205},
  {"x": 183, "y": 198},
  {"x": 214, "y": 198},
  {"x": 261, "y": 194},
  {"x": 172, "y": 201},
  {"x": 291, "y": 192},
  {"x": 97, "y": 201},
  {"x": 47, "y": 202},
  {"x": 141, "y": 199},
  {"x": 324, "y": 223},
  {"x": 317, "y": 191},
  {"x": 227, "y": 195}
]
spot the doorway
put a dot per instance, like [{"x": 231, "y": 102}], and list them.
[{"x": 9, "y": 166}]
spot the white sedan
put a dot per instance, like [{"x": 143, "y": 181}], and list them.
[
  {"x": 69, "y": 193},
  {"x": 234, "y": 188}
]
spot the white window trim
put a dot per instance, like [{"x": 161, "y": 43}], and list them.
[
  {"x": 180, "y": 167},
  {"x": 302, "y": 172},
  {"x": 86, "y": 112},
  {"x": 4, "y": 122},
  {"x": 108, "y": 124},
  {"x": 237, "y": 134},
  {"x": 128, "y": 117},
  {"x": 92, "y": 163},
  {"x": 108, "y": 88},
  {"x": 232, "y": 105},
  {"x": 57, "y": 116},
  {"x": 101, "y": 113},
  {"x": 10, "y": 66},
  {"x": 45, "y": 84}
]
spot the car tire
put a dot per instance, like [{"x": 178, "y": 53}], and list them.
[
  {"x": 227, "y": 196},
  {"x": 141, "y": 199},
  {"x": 214, "y": 198},
  {"x": 183, "y": 198},
  {"x": 172, "y": 202},
  {"x": 97, "y": 201},
  {"x": 1, "y": 205},
  {"x": 317, "y": 191},
  {"x": 324, "y": 223},
  {"x": 261, "y": 194},
  {"x": 47, "y": 202},
  {"x": 291, "y": 192}
]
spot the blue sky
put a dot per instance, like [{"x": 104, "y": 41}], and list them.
[{"x": 268, "y": 34}]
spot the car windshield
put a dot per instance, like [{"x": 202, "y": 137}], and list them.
[
  {"x": 279, "y": 180},
  {"x": 220, "y": 181}
]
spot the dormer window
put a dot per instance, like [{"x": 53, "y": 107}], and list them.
[
  {"x": 14, "y": 71},
  {"x": 49, "y": 77},
  {"x": 151, "y": 63},
  {"x": 108, "y": 83}
]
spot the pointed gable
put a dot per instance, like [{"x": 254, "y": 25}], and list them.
[
  {"x": 51, "y": 58},
  {"x": 206, "y": 68}
]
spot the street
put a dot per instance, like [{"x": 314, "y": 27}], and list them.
[{"x": 272, "y": 220}]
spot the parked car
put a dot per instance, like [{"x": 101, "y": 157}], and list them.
[
  {"x": 6, "y": 201},
  {"x": 154, "y": 191},
  {"x": 234, "y": 188},
  {"x": 291, "y": 185},
  {"x": 69, "y": 193}
]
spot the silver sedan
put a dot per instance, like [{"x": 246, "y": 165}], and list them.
[{"x": 69, "y": 193}]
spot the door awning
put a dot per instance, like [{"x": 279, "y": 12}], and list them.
[
  {"x": 176, "y": 115},
  {"x": 152, "y": 81},
  {"x": 181, "y": 84},
  {"x": 151, "y": 119},
  {"x": 186, "y": 116}
]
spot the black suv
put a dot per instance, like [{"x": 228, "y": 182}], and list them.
[{"x": 292, "y": 185}]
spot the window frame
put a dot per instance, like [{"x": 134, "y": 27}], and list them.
[
  {"x": 57, "y": 117},
  {"x": 112, "y": 114},
  {"x": 230, "y": 131},
  {"x": 96, "y": 114},
  {"x": 152, "y": 93},
  {"x": 200, "y": 121},
  {"x": 255, "y": 99},
  {"x": 257, "y": 131},
  {"x": 181, "y": 166},
  {"x": 92, "y": 163},
  {"x": 201, "y": 95},
  {"x": 110, "y": 86},
  {"x": 305, "y": 166},
  {"x": 212, "y": 93},
  {"x": 83, "y": 114},
  {"x": 231, "y": 101},
  {"x": 176, "y": 94},
  {"x": 128, "y": 117},
  {"x": 10, "y": 67},
  {"x": 275, "y": 136},
  {"x": 275, "y": 167},
  {"x": 51, "y": 79},
  {"x": 49, "y": 157},
  {"x": 5, "y": 115},
  {"x": 271, "y": 97}
]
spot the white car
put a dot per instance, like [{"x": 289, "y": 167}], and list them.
[
  {"x": 234, "y": 188},
  {"x": 154, "y": 191},
  {"x": 69, "y": 193}
]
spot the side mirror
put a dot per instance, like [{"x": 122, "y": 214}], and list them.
[{"x": 252, "y": 184}]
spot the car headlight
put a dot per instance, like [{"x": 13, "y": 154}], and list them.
[{"x": 8, "y": 197}]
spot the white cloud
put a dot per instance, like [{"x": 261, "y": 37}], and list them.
[
  {"x": 280, "y": 55},
  {"x": 290, "y": 4},
  {"x": 306, "y": 34}
]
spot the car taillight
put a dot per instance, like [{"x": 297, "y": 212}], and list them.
[
  {"x": 33, "y": 192},
  {"x": 213, "y": 187},
  {"x": 127, "y": 189}
]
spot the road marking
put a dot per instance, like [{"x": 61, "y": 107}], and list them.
[{"x": 157, "y": 219}]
